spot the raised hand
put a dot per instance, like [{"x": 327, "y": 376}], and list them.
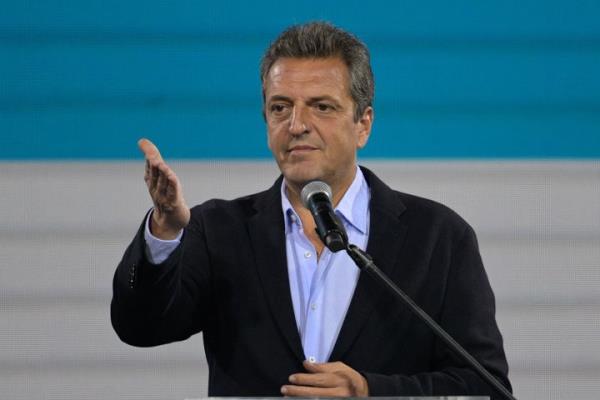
[{"x": 171, "y": 213}]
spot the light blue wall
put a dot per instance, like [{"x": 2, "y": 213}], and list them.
[{"x": 455, "y": 79}]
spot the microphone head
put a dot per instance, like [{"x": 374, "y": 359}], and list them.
[{"x": 312, "y": 188}]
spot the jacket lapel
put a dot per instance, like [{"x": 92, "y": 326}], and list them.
[
  {"x": 386, "y": 236},
  {"x": 267, "y": 235}
]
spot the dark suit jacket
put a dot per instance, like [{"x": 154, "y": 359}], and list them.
[{"x": 229, "y": 280}]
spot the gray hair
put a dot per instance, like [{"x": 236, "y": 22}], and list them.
[{"x": 323, "y": 40}]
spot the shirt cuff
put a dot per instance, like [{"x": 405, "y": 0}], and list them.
[{"x": 158, "y": 250}]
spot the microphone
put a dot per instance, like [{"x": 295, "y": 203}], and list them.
[{"x": 316, "y": 196}]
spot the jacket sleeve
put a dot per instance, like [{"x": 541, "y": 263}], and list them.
[
  {"x": 468, "y": 315},
  {"x": 162, "y": 303}
]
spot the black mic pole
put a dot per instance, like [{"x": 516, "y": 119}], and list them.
[
  {"x": 316, "y": 196},
  {"x": 365, "y": 263}
]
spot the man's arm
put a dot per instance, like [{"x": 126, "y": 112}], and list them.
[{"x": 160, "y": 303}]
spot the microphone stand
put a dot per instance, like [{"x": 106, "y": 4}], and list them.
[{"x": 365, "y": 263}]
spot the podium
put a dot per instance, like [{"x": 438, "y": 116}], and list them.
[{"x": 368, "y": 398}]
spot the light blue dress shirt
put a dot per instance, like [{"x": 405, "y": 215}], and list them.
[{"x": 321, "y": 289}]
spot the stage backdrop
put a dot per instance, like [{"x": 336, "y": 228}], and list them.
[{"x": 492, "y": 108}]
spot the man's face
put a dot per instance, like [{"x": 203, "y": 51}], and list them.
[{"x": 310, "y": 121}]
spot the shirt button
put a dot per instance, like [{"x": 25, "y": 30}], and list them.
[
  {"x": 312, "y": 359},
  {"x": 313, "y": 306},
  {"x": 307, "y": 254}
]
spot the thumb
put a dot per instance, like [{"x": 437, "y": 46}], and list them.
[
  {"x": 315, "y": 367},
  {"x": 149, "y": 149}
]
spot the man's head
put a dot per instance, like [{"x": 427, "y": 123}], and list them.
[
  {"x": 323, "y": 40},
  {"x": 318, "y": 89}
]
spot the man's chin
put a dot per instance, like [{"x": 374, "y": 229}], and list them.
[{"x": 300, "y": 177}]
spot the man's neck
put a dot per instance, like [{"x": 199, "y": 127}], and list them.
[
  {"x": 338, "y": 191},
  {"x": 308, "y": 222}
]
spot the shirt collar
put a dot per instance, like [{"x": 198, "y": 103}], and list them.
[{"x": 353, "y": 207}]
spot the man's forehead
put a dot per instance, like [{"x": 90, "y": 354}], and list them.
[
  {"x": 328, "y": 65},
  {"x": 324, "y": 73}
]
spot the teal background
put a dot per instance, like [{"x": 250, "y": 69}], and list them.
[{"x": 454, "y": 79}]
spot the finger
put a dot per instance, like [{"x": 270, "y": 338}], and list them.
[
  {"x": 168, "y": 184},
  {"x": 154, "y": 176},
  {"x": 162, "y": 181},
  {"x": 149, "y": 149},
  {"x": 172, "y": 185},
  {"x": 321, "y": 367},
  {"x": 154, "y": 173},
  {"x": 147, "y": 173},
  {"x": 316, "y": 379},
  {"x": 161, "y": 184},
  {"x": 310, "y": 391}
]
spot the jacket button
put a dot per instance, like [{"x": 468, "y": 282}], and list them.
[{"x": 132, "y": 275}]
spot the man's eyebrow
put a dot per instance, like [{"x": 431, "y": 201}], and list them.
[
  {"x": 311, "y": 100},
  {"x": 323, "y": 98},
  {"x": 278, "y": 97}
]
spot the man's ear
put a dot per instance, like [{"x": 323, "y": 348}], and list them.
[{"x": 364, "y": 125}]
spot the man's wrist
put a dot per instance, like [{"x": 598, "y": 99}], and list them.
[
  {"x": 157, "y": 250},
  {"x": 161, "y": 230}
]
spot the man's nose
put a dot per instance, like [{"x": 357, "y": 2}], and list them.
[{"x": 299, "y": 123}]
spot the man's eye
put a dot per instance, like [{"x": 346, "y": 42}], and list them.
[
  {"x": 277, "y": 108},
  {"x": 324, "y": 107}
]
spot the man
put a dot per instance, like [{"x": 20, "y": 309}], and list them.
[{"x": 280, "y": 313}]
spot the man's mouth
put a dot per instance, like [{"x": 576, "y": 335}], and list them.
[{"x": 301, "y": 149}]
